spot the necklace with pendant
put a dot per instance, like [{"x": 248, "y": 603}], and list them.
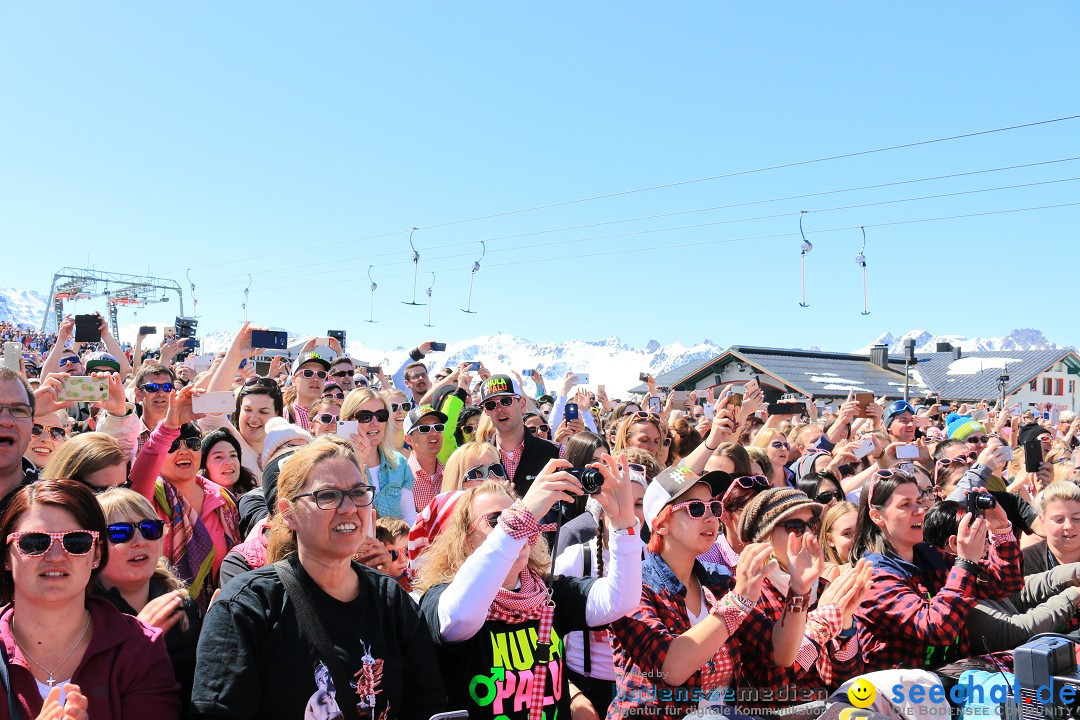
[{"x": 52, "y": 680}]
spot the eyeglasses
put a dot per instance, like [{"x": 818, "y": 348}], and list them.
[
  {"x": 57, "y": 432},
  {"x": 926, "y": 493},
  {"x": 976, "y": 439},
  {"x": 36, "y": 544},
  {"x": 69, "y": 359},
  {"x": 122, "y": 532},
  {"x": 828, "y": 496},
  {"x": 780, "y": 445},
  {"x": 332, "y": 498},
  {"x": 538, "y": 429},
  {"x": 191, "y": 443},
  {"x": 325, "y": 418},
  {"x": 309, "y": 373},
  {"x": 333, "y": 396},
  {"x": 261, "y": 382},
  {"x": 696, "y": 508},
  {"x": 395, "y": 554},
  {"x": 800, "y": 527},
  {"x": 505, "y": 401},
  {"x": 468, "y": 429},
  {"x": 157, "y": 387},
  {"x": 343, "y": 373},
  {"x": 365, "y": 416},
  {"x": 19, "y": 412},
  {"x": 425, "y": 429},
  {"x": 403, "y": 407},
  {"x": 482, "y": 471}
]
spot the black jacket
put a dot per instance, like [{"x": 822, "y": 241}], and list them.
[{"x": 534, "y": 457}]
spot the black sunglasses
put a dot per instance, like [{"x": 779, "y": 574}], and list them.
[
  {"x": 538, "y": 429},
  {"x": 325, "y": 418},
  {"x": 394, "y": 554},
  {"x": 192, "y": 443},
  {"x": 122, "y": 532},
  {"x": 505, "y": 401},
  {"x": 800, "y": 527},
  {"x": 157, "y": 387},
  {"x": 827, "y": 497},
  {"x": 343, "y": 373},
  {"x": 366, "y": 416}
]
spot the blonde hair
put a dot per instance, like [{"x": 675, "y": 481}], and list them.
[
  {"x": 485, "y": 429},
  {"x": 1057, "y": 491},
  {"x": 833, "y": 515},
  {"x": 123, "y": 505},
  {"x": 463, "y": 459},
  {"x": 352, "y": 403},
  {"x": 292, "y": 480},
  {"x": 622, "y": 432},
  {"x": 448, "y": 552},
  {"x": 765, "y": 436},
  {"x": 84, "y": 454}
]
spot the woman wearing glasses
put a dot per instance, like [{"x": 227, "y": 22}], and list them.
[
  {"x": 776, "y": 446},
  {"x": 399, "y": 406},
  {"x": 47, "y": 435},
  {"x": 203, "y": 522},
  {"x": 472, "y": 464},
  {"x": 388, "y": 471},
  {"x": 920, "y": 596},
  {"x": 828, "y": 653},
  {"x": 734, "y": 498},
  {"x": 324, "y": 417},
  {"x": 95, "y": 459},
  {"x": 486, "y": 594},
  {"x": 138, "y": 581},
  {"x": 57, "y": 637},
  {"x": 257, "y": 657},
  {"x": 677, "y": 652},
  {"x": 822, "y": 487}
]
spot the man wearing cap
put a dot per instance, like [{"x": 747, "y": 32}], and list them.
[
  {"x": 424, "y": 427},
  {"x": 523, "y": 455},
  {"x": 309, "y": 373}
]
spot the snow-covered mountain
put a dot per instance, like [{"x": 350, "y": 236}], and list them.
[
  {"x": 22, "y": 307},
  {"x": 1020, "y": 339}
]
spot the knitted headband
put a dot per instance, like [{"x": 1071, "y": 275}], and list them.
[{"x": 769, "y": 508}]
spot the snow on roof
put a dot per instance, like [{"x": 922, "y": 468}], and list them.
[
  {"x": 972, "y": 365},
  {"x": 824, "y": 378},
  {"x": 844, "y": 388}
]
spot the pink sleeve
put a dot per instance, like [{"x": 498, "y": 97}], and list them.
[{"x": 147, "y": 467}]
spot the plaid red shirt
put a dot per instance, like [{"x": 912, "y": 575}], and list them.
[
  {"x": 300, "y": 416},
  {"x": 510, "y": 459},
  {"x": 425, "y": 487},
  {"x": 640, "y": 643},
  {"x": 915, "y": 615}
]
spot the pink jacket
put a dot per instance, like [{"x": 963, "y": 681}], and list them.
[{"x": 125, "y": 673}]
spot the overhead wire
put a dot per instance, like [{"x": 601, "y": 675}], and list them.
[{"x": 679, "y": 183}]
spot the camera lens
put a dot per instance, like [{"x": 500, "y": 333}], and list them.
[
  {"x": 985, "y": 501},
  {"x": 591, "y": 479}
]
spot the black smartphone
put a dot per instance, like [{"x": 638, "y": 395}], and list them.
[
  {"x": 1033, "y": 455},
  {"x": 87, "y": 328},
  {"x": 147, "y": 330},
  {"x": 787, "y": 408},
  {"x": 373, "y": 369},
  {"x": 571, "y": 412},
  {"x": 270, "y": 339},
  {"x": 262, "y": 368},
  {"x": 191, "y": 343},
  {"x": 643, "y": 377},
  {"x": 338, "y": 335},
  {"x": 438, "y": 347}
]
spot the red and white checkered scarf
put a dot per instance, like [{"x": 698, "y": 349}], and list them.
[{"x": 530, "y": 602}]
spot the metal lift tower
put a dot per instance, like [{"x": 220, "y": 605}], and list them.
[{"x": 118, "y": 290}]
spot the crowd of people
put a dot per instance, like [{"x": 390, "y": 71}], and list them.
[{"x": 346, "y": 542}]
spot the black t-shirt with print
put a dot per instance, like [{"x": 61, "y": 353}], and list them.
[
  {"x": 489, "y": 673},
  {"x": 253, "y": 661}
]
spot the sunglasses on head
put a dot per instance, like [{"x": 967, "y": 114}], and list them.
[
  {"x": 505, "y": 401},
  {"x": 191, "y": 443},
  {"x": 261, "y": 382},
  {"x": 425, "y": 429},
  {"x": 482, "y": 471},
  {"x": 36, "y": 544},
  {"x": 395, "y": 554},
  {"x": 157, "y": 387},
  {"x": 98, "y": 489},
  {"x": 800, "y": 527},
  {"x": 57, "y": 432},
  {"x": 828, "y": 496},
  {"x": 403, "y": 407},
  {"x": 365, "y": 416},
  {"x": 309, "y": 373},
  {"x": 121, "y": 532},
  {"x": 539, "y": 428},
  {"x": 696, "y": 508},
  {"x": 945, "y": 462},
  {"x": 325, "y": 418}
]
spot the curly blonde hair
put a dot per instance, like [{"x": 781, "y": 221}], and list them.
[{"x": 450, "y": 548}]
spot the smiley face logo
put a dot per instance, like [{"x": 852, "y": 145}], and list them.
[{"x": 861, "y": 694}]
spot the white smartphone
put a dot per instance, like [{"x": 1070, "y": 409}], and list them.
[
  {"x": 12, "y": 355},
  {"x": 347, "y": 428},
  {"x": 83, "y": 388},
  {"x": 907, "y": 452},
  {"x": 654, "y": 404},
  {"x": 1008, "y": 451},
  {"x": 200, "y": 363},
  {"x": 1055, "y": 414},
  {"x": 710, "y": 410},
  {"x": 582, "y": 378},
  {"x": 213, "y": 402},
  {"x": 865, "y": 448}
]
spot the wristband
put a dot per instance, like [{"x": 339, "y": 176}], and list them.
[
  {"x": 710, "y": 449},
  {"x": 972, "y": 567}
]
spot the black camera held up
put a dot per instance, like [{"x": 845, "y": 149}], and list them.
[
  {"x": 591, "y": 479},
  {"x": 978, "y": 503}
]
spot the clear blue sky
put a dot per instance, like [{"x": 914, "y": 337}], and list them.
[{"x": 278, "y": 138}]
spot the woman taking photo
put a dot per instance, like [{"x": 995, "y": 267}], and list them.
[
  {"x": 388, "y": 472},
  {"x": 95, "y": 459},
  {"x": 138, "y": 581},
  {"x": 54, "y": 632},
  {"x": 915, "y": 614},
  {"x": 485, "y": 592},
  {"x": 259, "y": 658}
]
